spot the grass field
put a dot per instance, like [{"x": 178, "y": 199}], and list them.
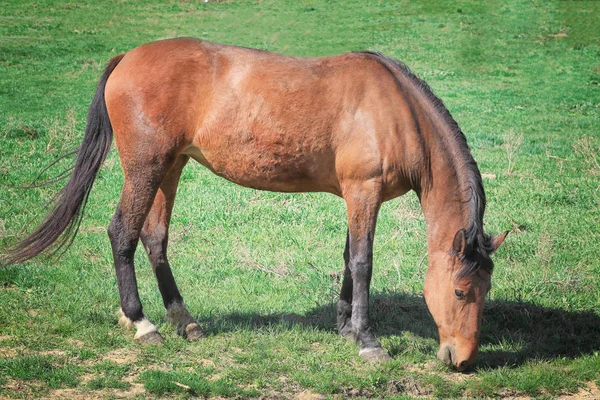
[{"x": 261, "y": 270}]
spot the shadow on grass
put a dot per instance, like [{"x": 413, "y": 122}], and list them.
[{"x": 523, "y": 331}]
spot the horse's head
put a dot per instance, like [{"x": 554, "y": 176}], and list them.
[{"x": 455, "y": 288}]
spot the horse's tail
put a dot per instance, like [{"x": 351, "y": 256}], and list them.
[{"x": 62, "y": 223}]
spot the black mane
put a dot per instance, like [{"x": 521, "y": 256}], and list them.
[{"x": 478, "y": 244}]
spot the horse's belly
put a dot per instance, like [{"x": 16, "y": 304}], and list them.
[{"x": 269, "y": 170}]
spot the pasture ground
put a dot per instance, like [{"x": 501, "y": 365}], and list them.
[{"x": 261, "y": 270}]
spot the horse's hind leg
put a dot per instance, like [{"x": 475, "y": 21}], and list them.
[
  {"x": 155, "y": 236},
  {"x": 143, "y": 175},
  {"x": 363, "y": 199}
]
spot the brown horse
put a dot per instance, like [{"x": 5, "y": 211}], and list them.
[{"x": 359, "y": 125}]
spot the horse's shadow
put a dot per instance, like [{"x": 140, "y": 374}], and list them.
[{"x": 513, "y": 332}]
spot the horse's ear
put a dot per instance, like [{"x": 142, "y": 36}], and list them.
[
  {"x": 460, "y": 242},
  {"x": 497, "y": 241}
]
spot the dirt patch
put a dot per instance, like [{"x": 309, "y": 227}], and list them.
[
  {"x": 458, "y": 377},
  {"x": 513, "y": 397},
  {"x": 75, "y": 342},
  {"x": 22, "y": 351},
  {"x": 351, "y": 392},
  {"x": 589, "y": 392},
  {"x": 203, "y": 362},
  {"x": 134, "y": 390},
  {"x": 121, "y": 356},
  {"x": 74, "y": 394},
  {"x": 53, "y": 353},
  {"x": 85, "y": 378},
  {"x": 450, "y": 375},
  {"x": 25, "y": 389},
  {"x": 16, "y": 351},
  {"x": 407, "y": 385},
  {"x": 11, "y": 352},
  {"x": 30, "y": 389},
  {"x": 308, "y": 395}
]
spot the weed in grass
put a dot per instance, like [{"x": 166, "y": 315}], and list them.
[
  {"x": 61, "y": 133},
  {"x": 590, "y": 152},
  {"x": 512, "y": 143}
]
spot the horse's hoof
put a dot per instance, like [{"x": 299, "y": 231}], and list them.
[
  {"x": 345, "y": 328},
  {"x": 374, "y": 355},
  {"x": 347, "y": 334},
  {"x": 193, "y": 332},
  {"x": 150, "y": 338}
]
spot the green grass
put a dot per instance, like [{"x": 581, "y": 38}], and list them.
[{"x": 261, "y": 270}]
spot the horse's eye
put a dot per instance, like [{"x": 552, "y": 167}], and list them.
[{"x": 460, "y": 294}]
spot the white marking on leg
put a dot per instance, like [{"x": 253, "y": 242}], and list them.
[
  {"x": 124, "y": 322},
  {"x": 144, "y": 327}
]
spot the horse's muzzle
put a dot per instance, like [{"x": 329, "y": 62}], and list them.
[{"x": 447, "y": 354}]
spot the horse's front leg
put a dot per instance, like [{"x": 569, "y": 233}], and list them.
[
  {"x": 363, "y": 200},
  {"x": 344, "y": 307}
]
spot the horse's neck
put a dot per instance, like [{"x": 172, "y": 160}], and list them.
[
  {"x": 443, "y": 182},
  {"x": 443, "y": 198}
]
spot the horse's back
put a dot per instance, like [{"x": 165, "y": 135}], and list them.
[{"x": 259, "y": 119}]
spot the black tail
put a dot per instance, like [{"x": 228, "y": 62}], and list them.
[{"x": 61, "y": 224}]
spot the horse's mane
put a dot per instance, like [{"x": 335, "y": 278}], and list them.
[{"x": 478, "y": 244}]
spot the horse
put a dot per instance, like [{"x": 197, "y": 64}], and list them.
[{"x": 359, "y": 125}]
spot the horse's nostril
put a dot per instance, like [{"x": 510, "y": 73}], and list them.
[
  {"x": 445, "y": 355},
  {"x": 462, "y": 366}
]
